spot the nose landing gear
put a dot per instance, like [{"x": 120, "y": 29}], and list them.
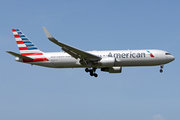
[
  {"x": 161, "y": 70},
  {"x": 92, "y": 72}
]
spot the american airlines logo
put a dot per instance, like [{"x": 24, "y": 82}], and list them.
[
  {"x": 150, "y": 53},
  {"x": 127, "y": 55}
]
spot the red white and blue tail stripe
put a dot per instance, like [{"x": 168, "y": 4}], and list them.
[
  {"x": 27, "y": 48},
  {"x": 24, "y": 44}
]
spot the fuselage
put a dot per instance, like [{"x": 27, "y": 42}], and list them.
[{"x": 123, "y": 58}]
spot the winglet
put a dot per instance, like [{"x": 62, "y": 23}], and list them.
[{"x": 47, "y": 33}]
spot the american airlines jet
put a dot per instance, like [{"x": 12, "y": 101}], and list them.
[{"x": 110, "y": 61}]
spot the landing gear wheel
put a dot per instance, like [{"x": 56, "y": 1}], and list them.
[
  {"x": 92, "y": 71},
  {"x": 91, "y": 74},
  {"x": 161, "y": 68},
  {"x": 87, "y": 70},
  {"x": 95, "y": 75}
]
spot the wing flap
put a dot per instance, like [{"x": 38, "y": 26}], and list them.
[{"x": 71, "y": 53}]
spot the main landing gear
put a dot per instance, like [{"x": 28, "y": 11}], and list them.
[
  {"x": 161, "y": 70},
  {"x": 92, "y": 71}
]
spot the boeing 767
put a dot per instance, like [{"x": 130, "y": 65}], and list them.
[{"x": 110, "y": 61}]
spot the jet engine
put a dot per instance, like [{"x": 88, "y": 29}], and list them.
[{"x": 112, "y": 69}]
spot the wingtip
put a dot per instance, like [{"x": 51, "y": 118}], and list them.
[
  {"x": 47, "y": 33},
  {"x": 8, "y": 51}
]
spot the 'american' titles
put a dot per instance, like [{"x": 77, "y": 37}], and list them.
[{"x": 127, "y": 55}]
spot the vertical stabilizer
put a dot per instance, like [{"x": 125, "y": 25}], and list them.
[{"x": 26, "y": 47}]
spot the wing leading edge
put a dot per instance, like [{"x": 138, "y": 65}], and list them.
[{"x": 74, "y": 52}]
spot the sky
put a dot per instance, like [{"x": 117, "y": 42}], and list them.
[{"x": 138, "y": 93}]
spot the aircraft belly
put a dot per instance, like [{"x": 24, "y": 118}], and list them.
[
  {"x": 65, "y": 63},
  {"x": 43, "y": 64}
]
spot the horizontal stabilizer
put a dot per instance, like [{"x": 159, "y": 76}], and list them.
[{"x": 19, "y": 55}]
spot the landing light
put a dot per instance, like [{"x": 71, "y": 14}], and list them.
[{"x": 17, "y": 59}]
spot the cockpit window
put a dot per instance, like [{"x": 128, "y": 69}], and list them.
[{"x": 167, "y": 54}]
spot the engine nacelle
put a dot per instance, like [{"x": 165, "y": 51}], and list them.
[
  {"x": 112, "y": 69},
  {"x": 108, "y": 61}
]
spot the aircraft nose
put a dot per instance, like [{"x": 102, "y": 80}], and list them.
[{"x": 172, "y": 58}]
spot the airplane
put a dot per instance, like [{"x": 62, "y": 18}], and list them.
[{"x": 110, "y": 61}]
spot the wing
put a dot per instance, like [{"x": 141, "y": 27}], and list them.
[{"x": 74, "y": 52}]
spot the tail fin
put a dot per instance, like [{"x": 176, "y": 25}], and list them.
[{"x": 26, "y": 47}]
